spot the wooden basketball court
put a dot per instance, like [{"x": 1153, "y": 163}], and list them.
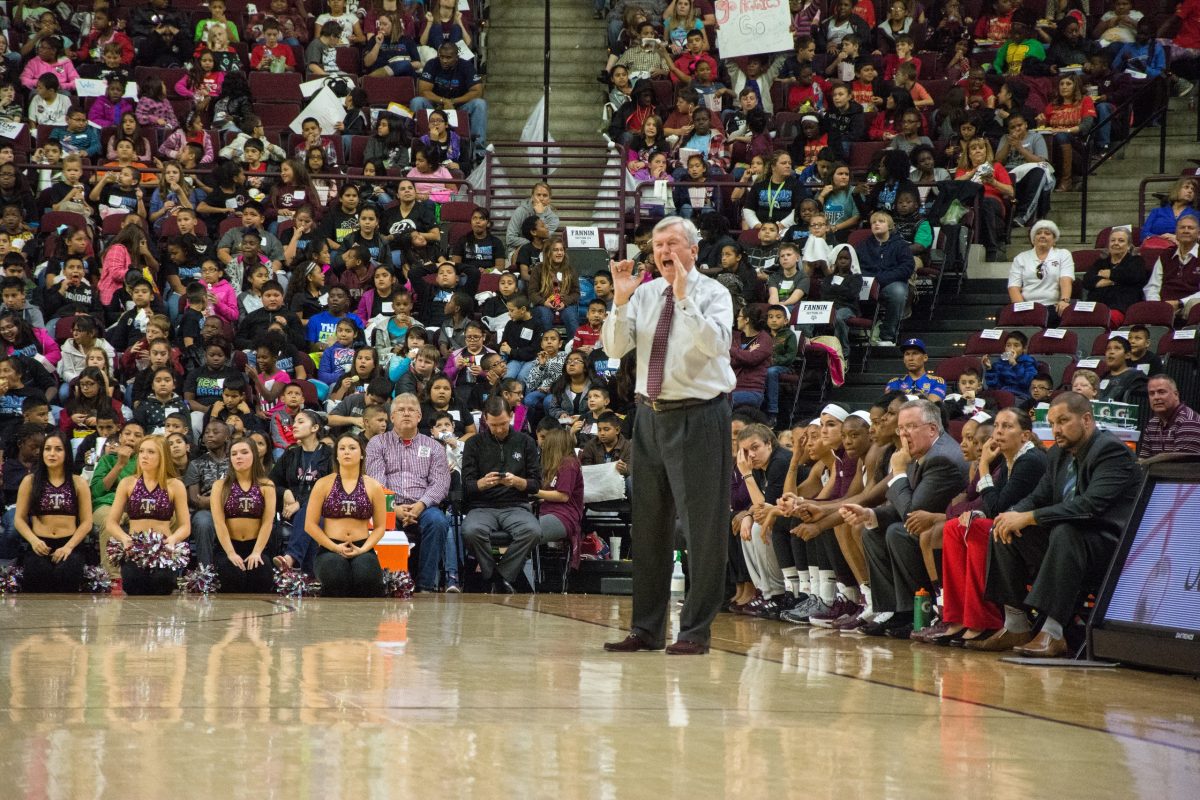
[{"x": 477, "y": 696}]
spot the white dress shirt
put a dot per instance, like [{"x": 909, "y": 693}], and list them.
[
  {"x": 697, "y": 364},
  {"x": 1153, "y": 290}
]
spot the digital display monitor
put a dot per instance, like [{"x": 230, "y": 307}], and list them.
[{"x": 1149, "y": 610}]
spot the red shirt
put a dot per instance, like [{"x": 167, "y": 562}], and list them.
[
  {"x": 1189, "y": 25},
  {"x": 687, "y": 62},
  {"x": 891, "y": 61},
  {"x": 585, "y": 337},
  {"x": 863, "y": 94},
  {"x": 1001, "y": 176},
  {"x": 1069, "y": 116},
  {"x": 994, "y": 28}
]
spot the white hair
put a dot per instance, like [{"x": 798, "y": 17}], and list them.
[
  {"x": 930, "y": 414},
  {"x": 686, "y": 225},
  {"x": 403, "y": 399}
]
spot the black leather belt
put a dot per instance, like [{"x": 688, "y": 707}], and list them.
[{"x": 676, "y": 405}]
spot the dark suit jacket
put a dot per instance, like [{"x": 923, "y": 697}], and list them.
[
  {"x": 1105, "y": 489},
  {"x": 931, "y": 485}
]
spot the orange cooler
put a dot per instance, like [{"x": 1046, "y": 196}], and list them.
[{"x": 393, "y": 551}]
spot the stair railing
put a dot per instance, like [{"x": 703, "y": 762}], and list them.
[{"x": 1161, "y": 92}]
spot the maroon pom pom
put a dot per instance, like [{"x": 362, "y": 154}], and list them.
[
  {"x": 201, "y": 580},
  {"x": 97, "y": 580},
  {"x": 292, "y": 582},
  {"x": 398, "y": 584},
  {"x": 10, "y": 579}
]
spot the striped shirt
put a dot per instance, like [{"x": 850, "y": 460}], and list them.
[
  {"x": 1179, "y": 434},
  {"x": 416, "y": 470}
]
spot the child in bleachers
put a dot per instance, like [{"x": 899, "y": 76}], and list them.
[
  {"x": 866, "y": 89},
  {"x": 496, "y": 306},
  {"x": 283, "y": 418},
  {"x": 187, "y": 327},
  {"x": 254, "y": 167},
  {"x": 966, "y": 401},
  {"x": 49, "y": 158},
  {"x": 273, "y": 55},
  {"x": 764, "y": 257},
  {"x": 216, "y": 18},
  {"x": 995, "y": 27},
  {"x": 49, "y": 106},
  {"x": 790, "y": 284},
  {"x": 912, "y": 226},
  {"x": 587, "y": 336},
  {"x": 1140, "y": 356},
  {"x": 10, "y": 108},
  {"x": 903, "y": 55},
  {"x": 521, "y": 338},
  {"x": 338, "y": 357},
  {"x": 816, "y": 251},
  {"x": 906, "y": 78},
  {"x": 783, "y": 352},
  {"x": 1013, "y": 370},
  {"x": 843, "y": 66}
]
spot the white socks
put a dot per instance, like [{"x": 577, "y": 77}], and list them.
[
  {"x": 1015, "y": 621},
  {"x": 827, "y": 586},
  {"x": 1052, "y": 628},
  {"x": 791, "y": 579},
  {"x": 868, "y": 606},
  {"x": 850, "y": 593}
]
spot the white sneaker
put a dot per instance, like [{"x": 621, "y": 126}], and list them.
[
  {"x": 884, "y": 343},
  {"x": 1183, "y": 87}
]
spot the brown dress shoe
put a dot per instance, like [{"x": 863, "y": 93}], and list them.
[
  {"x": 1000, "y": 641},
  {"x": 630, "y": 644},
  {"x": 685, "y": 648},
  {"x": 1044, "y": 646}
]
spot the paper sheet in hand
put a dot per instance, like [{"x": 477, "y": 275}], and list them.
[
  {"x": 325, "y": 107},
  {"x": 94, "y": 87},
  {"x": 751, "y": 27},
  {"x": 602, "y": 482}
]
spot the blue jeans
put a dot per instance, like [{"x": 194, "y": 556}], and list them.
[
  {"x": 203, "y": 537},
  {"x": 1104, "y": 114},
  {"x": 893, "y": 297},
  {"x": 300, "y": 546},
  {"x": 519, "y": 370},
  {"x": 841, "y": 329},
  {"x": 10, "y": 540},
  {"x": 476, "y": 111},
  {"x": 773, "y": 374},
  {"x": 431, "y": 528},
  {"x": 569, "y": 315},
  {"x": 743, "y": 398}
]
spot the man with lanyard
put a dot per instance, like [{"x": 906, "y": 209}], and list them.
[{"x": 917, "y": 380}]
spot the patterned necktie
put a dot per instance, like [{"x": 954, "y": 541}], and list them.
[
  {"x": 1069, "y": 484},
  {"x": 658, "y": 350}
]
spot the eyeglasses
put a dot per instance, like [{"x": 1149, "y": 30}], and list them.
[
  {"x": 1041, "y": 270},
  {"x": 912, "y": 428}
]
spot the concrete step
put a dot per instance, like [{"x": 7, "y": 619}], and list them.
[{"x": 529, "y": 14}]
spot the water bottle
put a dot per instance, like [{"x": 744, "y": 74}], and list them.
[{"x": 922, "y": 609}]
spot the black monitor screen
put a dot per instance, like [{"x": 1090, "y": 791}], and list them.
[{"x": 1159, "y": 583}]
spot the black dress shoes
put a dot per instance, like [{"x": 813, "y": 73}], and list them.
[
  {"x": 501, "y": 586},
  {"x": 630, "y": 644}
]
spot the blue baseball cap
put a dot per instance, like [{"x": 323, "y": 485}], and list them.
[{"x": 909, "y": 344}]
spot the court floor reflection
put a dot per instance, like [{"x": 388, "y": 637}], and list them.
[{"x": 487, "y": 697}]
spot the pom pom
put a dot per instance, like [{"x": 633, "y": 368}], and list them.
[
  {"x": 292, "y": 582},
  {"x": 150, "y": 550},
  {"x": 116, "y": 552},
  {"x": 10, "y": 579},
  {"x": 398, "y": 584},
  {"x": 97, "y": 580},
  {"x": 201, "y": 580}
]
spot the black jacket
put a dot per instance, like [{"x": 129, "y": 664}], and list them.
[
  {"x": 1129, "y": 278},
  {"x": 1007, "y": 490},
  {"x": 252, "y": 327},
  {"x": 517, "y": 454},
  {"x": 289, "y": 472}
]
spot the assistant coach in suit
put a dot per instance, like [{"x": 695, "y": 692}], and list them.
[
  {"x": 681, "y": 325},
  {"x": 1065, "y": 532},
  {"x": 927, "y": 472}
]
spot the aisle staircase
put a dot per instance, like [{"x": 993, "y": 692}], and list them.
[{"x": 515, "y": 68}]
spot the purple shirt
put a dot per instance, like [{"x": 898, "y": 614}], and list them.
[
  {"x": 569, "y": 481},
  {"x": 417, "y": 471}
]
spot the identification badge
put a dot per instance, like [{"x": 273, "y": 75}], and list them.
[
  {"x": 386, "y": 307},
  {"x": 527, "y": 333},
  {"x": 422, "y": 452},
  {"x": 836, "y": 280}
]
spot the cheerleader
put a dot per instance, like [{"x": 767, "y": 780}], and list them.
[
  {"x": 54, "y": 514},
  {"x": 340, "y": 521},
  {"x": 151, "y": 497},
  {"x": 243, "y": 512}
]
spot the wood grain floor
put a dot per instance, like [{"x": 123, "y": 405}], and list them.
[{"x": 473, "y": 696}]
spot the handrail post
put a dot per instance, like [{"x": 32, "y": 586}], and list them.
[
  {"x": 1162, "y": 133},
  {"x": 546, "y": 92},
  {"x": 1083, "y": 190}
]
